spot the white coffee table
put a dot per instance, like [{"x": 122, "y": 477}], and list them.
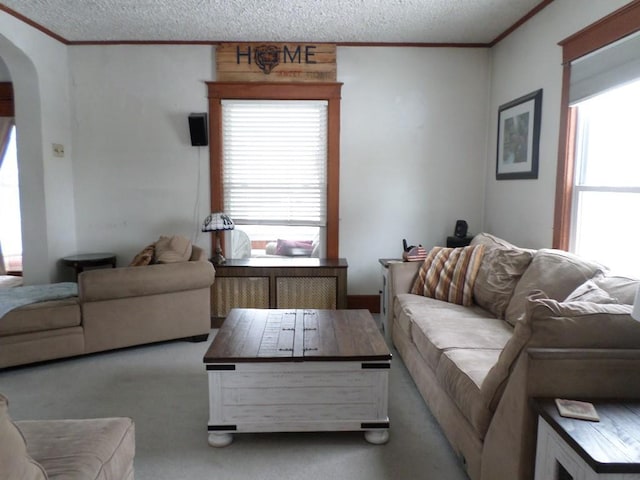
[{"x": 298, "y": 370}]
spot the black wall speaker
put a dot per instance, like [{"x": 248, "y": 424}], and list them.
[
  {"x": 461, "y": 229},
  {"x": 198, "y": 129}
]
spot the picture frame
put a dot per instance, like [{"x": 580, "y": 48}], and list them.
[{"x": 519, "y": 137}]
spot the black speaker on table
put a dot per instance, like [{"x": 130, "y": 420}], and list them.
[
  {"x": 461, "y": 229},
  {"x": 198, "y": 129}
]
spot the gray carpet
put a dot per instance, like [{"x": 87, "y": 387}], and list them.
[{"x": 163, "y": 387}]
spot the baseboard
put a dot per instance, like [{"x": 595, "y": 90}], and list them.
[
  {"x": 368, "y": 302},
  {"x": 216, "y": 322}
]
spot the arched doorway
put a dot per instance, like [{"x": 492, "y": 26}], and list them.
[
  {"x": 10, "y": 223},
  {"x": 35, "y": 260}
]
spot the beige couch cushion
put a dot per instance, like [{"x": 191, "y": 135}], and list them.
[
  {"x": 555, "y": 272},
  {"x": 622, "y": 288},
  {"x": 499, "y": 273},
  {"x": 581, "y": 324},
  {"x": 173, "y": 249},
  {"x": 100, "y": 449},
  {"x": 41, "y": 316},
  {"x": 405, "y": 309},
  {"x": 490, "y": 241},
  {"x": 461, "y": 373},
  {"x": 590, "y": 292},
  {"x": 436, "y": 326},
  {"x": 496, "y": 379},
  {"x": 15, "y": 462}
]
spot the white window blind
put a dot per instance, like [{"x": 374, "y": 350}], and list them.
[
  {"x": 275, "y": 161},
  {"x": 606, "y": 193},
  {"x": 606, "y": 68}
]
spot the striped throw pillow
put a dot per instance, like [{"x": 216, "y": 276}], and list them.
[{"x": 449, "y": 274}]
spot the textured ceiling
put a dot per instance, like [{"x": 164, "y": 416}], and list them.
[{"x": 339, "y": 21}]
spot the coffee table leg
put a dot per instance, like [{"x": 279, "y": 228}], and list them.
[
  {"x": 220, "y": 439},
  {"x": 377, "y": 437}
]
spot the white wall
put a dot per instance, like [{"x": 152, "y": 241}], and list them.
[
  {"x": 5, "y": 76},
  {"x": 412, "y": 147},
  {"x": 136, "y": 174},
  {"x": 522, "y": 210},
  {"x": 39, "y": 69},
  {"x": 412, "y": 151}
]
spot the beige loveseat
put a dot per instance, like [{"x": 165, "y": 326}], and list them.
[
  {"x": 541, "y": 324},
  {"x": 91, "y": 449},
  {"x": 114, "y": 308}
]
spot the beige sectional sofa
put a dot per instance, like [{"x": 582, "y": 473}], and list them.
[
  {"x": 97, "y": 449},
  {"x": 114, "y": 308},
  {"x": 541, "y": 324}
]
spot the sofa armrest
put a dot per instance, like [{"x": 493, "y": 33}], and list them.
[
  {"x": 580, "y": 373},
  {"x": 114, "y": 283},
  {"x": 401, "y": 277}
]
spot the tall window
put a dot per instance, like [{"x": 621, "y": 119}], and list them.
[
  {"x": 300, "y": 215},
  {"x": 596, "y": 180},
  {"x": 10, "y": 222},
  {"x": 274, "y": 173},
  {"x": 606, "y": 194}
]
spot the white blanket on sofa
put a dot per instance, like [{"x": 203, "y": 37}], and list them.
[{"x": 12, "y": 298}]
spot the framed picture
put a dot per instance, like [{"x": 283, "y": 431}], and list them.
[{"x": 519, "y": 137}]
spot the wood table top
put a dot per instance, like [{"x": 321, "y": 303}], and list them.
[
  {"x": 89, "y": 257},
  {"x": 611, "y": 445},
  {"x": 271, "y": 335}
]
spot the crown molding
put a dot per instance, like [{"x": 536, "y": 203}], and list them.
[{"x": 65, "y": 41}]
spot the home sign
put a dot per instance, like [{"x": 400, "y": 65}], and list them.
[{"x": 276, "y": 62}]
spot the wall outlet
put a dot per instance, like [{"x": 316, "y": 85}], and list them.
[{"x": 58, "y": 150}]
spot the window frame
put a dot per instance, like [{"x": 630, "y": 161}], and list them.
[
  {"x": 331, "y": 92},
  {"x": 586, "y": 183},
  {"x": 613, "y": 27}
]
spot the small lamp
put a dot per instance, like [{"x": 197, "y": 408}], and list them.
[
  {"x": 217, "y": 222},
  {"x": 635, "y": 313}
]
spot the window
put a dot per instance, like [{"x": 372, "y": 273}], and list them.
[
  {"x": 327, "y": 92},
  {"x": 599, "y": 57},
  {"x": 606, "y": 194},
  {"x": 10, "y": 221},
  {"x": 274, "y": 171}
]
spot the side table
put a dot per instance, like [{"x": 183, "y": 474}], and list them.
[
  {"x": 572, "y": 449},
  {"x": 86, "y": 260},
  {"x": 455, "y": 242}
]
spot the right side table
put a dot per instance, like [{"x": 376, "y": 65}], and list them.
[
  {"x": 572, "y": 449},
  {"x": 455, "y": 242}
]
